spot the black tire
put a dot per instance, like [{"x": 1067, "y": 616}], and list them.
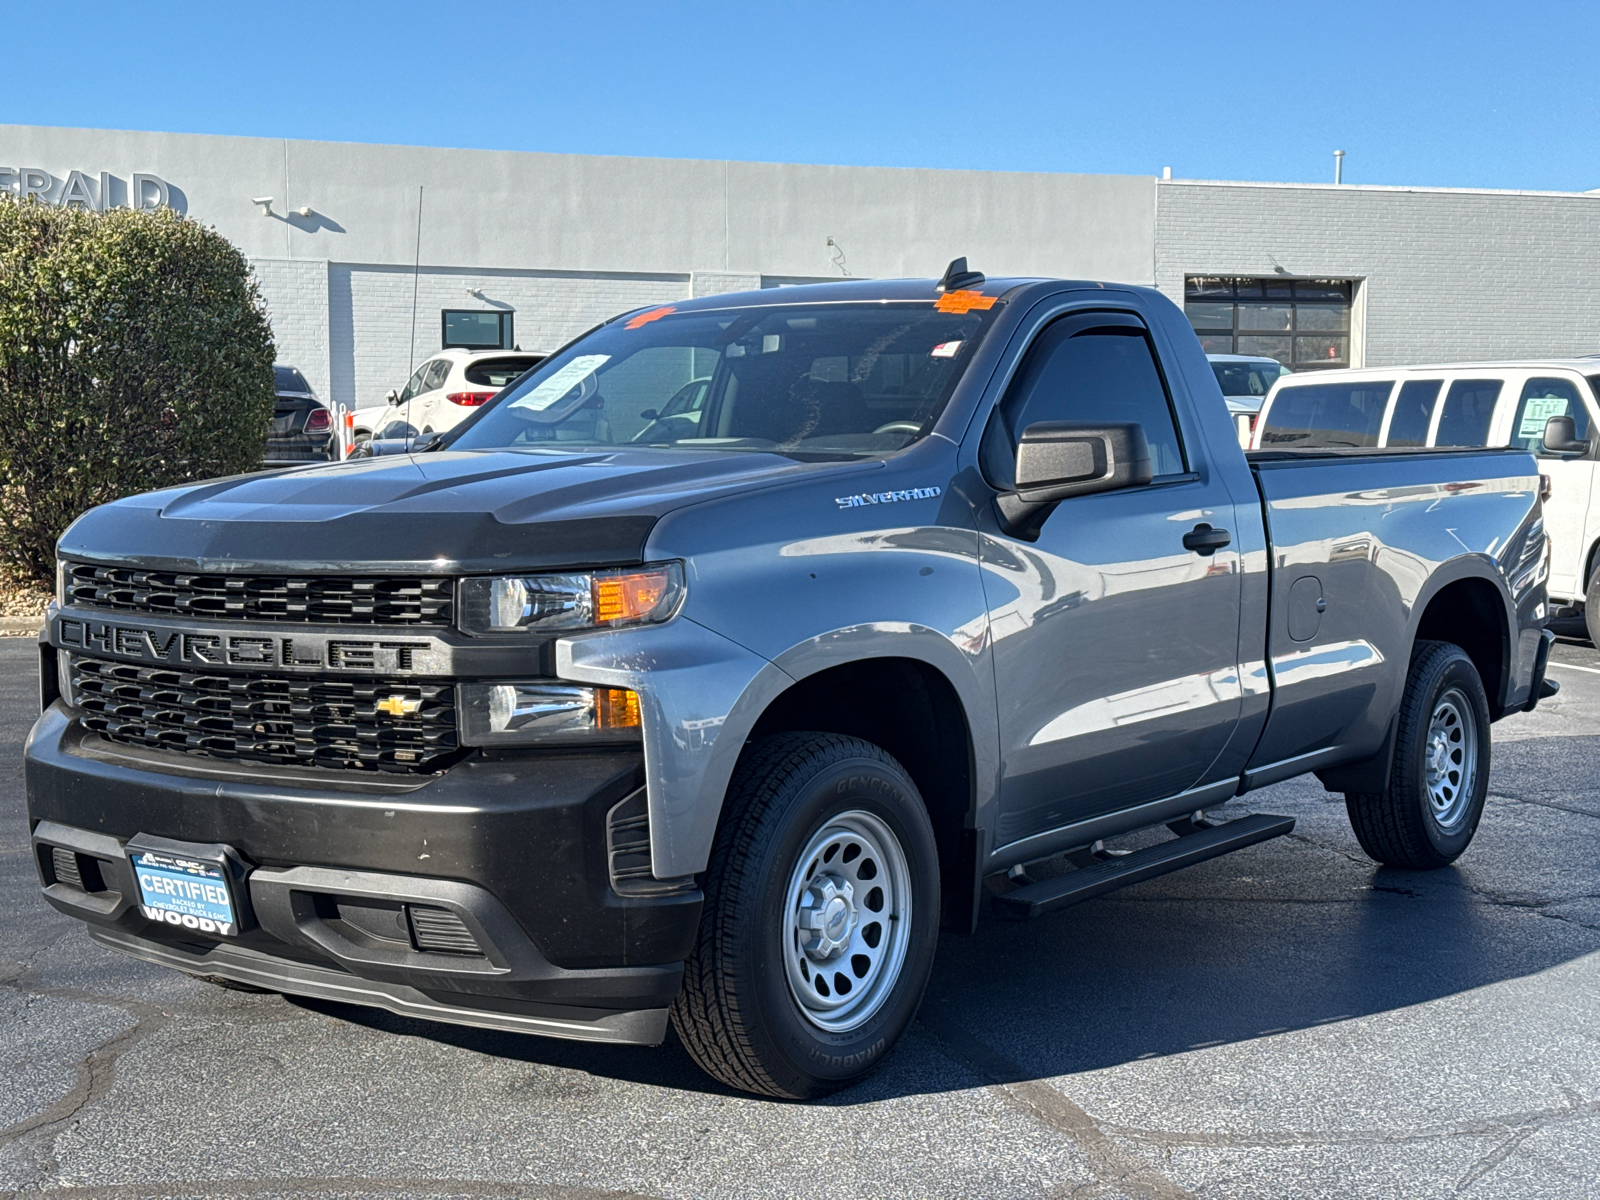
[
  {"x": 1591, "y": 605},
  {"x": 738, "y": 1013},
  {"x": 1404, "y": 825}
]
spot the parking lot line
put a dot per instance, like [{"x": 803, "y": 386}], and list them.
[{"x": 1576, "y": 667}]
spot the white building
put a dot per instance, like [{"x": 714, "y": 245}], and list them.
[{"x": 361, "y": 250}]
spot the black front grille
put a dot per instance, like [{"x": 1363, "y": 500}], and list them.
[
  {"x": 309, "y": 599},
  {"x": 269, "y": 718}
]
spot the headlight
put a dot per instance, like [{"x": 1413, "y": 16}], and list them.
[
  {"x": 542, "y": 713},
  {"x": 593, "y": 600}
]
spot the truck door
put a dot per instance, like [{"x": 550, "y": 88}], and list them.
[{"x": 1115, "y": 647}]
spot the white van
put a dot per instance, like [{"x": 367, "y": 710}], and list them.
[{"x": 1467, "y": 404}]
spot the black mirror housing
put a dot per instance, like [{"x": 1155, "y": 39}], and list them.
[
  {"x": 1561, "y": 437},
  {"x": 1060, "y": 459}
]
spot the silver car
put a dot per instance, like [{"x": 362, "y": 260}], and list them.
[{"x": 1245, "y": 380}]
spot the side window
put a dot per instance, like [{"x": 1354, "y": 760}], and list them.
[
  {"x": 1105, "y": 374},
  {"x": 1413, "y": 412},
  {"x": 1321, "y": 415},
  {"x": 414, "y": 385},
  {"x": 437, "y": 370},
  {"x": 1542, "y": 399},
  {"x": 1468, "y": 412}
]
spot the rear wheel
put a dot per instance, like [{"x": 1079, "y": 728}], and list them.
[
  {"x": 820, "y": 922},
  {"x": 1427, "y": 815}
]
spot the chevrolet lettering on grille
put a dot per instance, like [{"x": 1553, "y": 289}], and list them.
[{"x": 299, "y": 651}]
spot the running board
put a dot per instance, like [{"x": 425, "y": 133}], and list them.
[{"x": 1109, "y": 874}]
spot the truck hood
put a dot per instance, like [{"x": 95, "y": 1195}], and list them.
[{"x": 437, "y": 512}]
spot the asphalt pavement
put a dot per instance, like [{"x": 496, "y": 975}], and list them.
[{"x": 1287, "y": 1021}]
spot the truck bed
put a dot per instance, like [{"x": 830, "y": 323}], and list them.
[{"x": 1360, "y": 545}]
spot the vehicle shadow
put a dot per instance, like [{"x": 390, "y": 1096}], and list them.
[{"x": 1290, "y": 934}]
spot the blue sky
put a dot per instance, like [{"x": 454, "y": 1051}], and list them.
[{"x": 1464, "y": 94}]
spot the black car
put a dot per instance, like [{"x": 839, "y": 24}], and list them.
[{"x": 302, "y": 427}]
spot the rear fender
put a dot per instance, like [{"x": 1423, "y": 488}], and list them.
[{"x": 1372, "y": 774}]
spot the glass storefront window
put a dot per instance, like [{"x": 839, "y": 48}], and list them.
[
  {"x": 1303, "y": 323},
  {"x": 1320, "y": 352},
  {"x": 1209, "y": 316},
  {"x": 1199, "y": 287},
  {"x": 1321, "y": 317},
  {"x": 1266, "y": 316},
  {"x": 1280, "y": 348}
]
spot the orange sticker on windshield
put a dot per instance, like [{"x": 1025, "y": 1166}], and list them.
[
  {"x": 655, "y": 314},
  {"x": 962, "y": 302}
]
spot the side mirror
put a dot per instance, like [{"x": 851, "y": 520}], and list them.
[
  {"x": 648, "y": 414},
  {"x": 1561, "y": 437},
  {"x": 1060, "y": 459},
  {"x": 392, "y": 396}
]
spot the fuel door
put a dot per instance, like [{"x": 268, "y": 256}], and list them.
[{"x": 1306, "y": 606}]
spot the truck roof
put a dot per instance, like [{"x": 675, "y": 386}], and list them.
[{"x": 867, "y": 290}]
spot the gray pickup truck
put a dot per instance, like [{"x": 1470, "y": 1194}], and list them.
[{"x": 577, "y": 721}]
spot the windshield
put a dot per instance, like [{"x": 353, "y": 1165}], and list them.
[
  {"x": 1247, "y": 378},
  {"x": 287, "y": 379},
  {"x": 841, "y": 380}
]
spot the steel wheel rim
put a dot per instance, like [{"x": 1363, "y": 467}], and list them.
[
  {"x": 1450, "y": 759},
  {"x": 846, "y": 921}
]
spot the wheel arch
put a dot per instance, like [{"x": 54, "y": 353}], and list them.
[
  {"x": 1471, "y": 607},
  {"x": 914, "y": 711}
]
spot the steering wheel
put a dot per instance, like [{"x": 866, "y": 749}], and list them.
[{"x": 899, "y": 427}]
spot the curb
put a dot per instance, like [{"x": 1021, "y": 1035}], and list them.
[{"x": 20, "y": 626}]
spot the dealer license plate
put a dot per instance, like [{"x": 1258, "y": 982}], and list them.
[{"x": 189, "y": 893}]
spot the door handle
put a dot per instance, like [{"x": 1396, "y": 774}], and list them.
[{"x": 1206, "y": 541}]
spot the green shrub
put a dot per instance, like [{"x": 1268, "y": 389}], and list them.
[{"x": 135, "y": 354}]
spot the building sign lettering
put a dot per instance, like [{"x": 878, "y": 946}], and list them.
[{"x": 78, "y": 189}]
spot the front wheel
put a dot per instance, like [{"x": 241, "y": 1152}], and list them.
[
  {"x": 820, "y": 922},
  {"x": 1427, "y": 815}
]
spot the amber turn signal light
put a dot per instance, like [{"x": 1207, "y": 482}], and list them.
[
  {"x": 616, "y": 708},
  {"x": 634, "y": 596}
]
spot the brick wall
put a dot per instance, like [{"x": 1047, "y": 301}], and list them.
[
  {"x": 1447, "y": 275},
  {"x": 296, "y": 292},
  {"x": 721, "y": 283}
]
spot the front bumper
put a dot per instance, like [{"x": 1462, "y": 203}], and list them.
[{"x": 513, "y": 849}]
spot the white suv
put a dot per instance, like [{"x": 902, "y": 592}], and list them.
[{"x": 443, "y": 390}]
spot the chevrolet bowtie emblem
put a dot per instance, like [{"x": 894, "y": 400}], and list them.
[{"x": 398, "y": 706}]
